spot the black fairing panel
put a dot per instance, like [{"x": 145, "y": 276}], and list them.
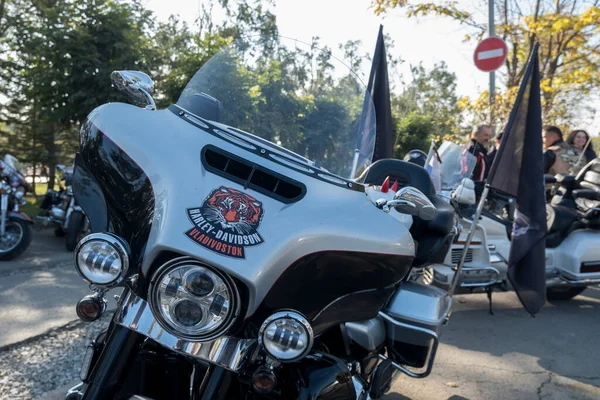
[
  {"x": 317, "y": 377},
  {"x": 89, "y": 196},
  {"x": 331, "y": 286},
  {"x": 125, "y": 187}
]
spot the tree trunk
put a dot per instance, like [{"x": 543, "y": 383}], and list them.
[
  {"x": 33, "y": 181},
  {"x": 51, "y": 163}
]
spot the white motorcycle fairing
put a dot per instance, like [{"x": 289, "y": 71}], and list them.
[{"x": 292, "y": 248}]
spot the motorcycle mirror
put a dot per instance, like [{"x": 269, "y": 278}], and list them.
[
  {"x": 138, "y": 85},
  {"x": 424, "y": 207}
]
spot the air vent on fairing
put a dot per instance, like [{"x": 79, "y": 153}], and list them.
[{"x": 251, "y": 175}]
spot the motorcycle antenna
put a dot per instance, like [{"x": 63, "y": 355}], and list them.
[{"x": 580, "y": 156}]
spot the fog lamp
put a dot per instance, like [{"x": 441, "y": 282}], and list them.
[
  {"x": 286, "y": 336},
  {"x": 102, "y": 259}
]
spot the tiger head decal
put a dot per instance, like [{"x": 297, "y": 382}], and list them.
[
  {"x": 227, "y": 222},
  {"x": 234, "y": 210}
]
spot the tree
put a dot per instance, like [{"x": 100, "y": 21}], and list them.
[
  {"x": 568, "y": 32},
  {"x": 65, "y": 52},
  {"x": 415, "y": 132}
]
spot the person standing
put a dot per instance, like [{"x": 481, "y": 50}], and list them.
[
  {"x": 492, "y": 154},
  {"x": 559, "y": 156},
  {"x": 578, "y": 139},
  {"x": 480, "y": 137}
]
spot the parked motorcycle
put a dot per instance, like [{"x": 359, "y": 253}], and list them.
[
  {"x": 572, "y": 243},
  {"x": 61, "y": 209},
  {"x": 483, "y": 268},
  {"x": 15, "y": 226},
  {"x": 270, "y": 264},
  {"x": 572, "y": 258}
]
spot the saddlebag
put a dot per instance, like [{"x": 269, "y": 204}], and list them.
[{"x": 413, "y": 318}]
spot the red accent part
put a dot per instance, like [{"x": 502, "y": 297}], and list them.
[
  {"x": 490, "y": 54},
  {"x": 395, "y": 186},
  {"x": 386, "y": 185},
  {"x": 481, "y": 164}
]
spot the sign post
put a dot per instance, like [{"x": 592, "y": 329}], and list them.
[{"x": 489, "y": 55}]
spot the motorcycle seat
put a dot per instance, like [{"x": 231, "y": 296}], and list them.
[{"x": 559, "y": 219}]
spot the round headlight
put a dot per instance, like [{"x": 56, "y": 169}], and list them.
[
  {"x": 286, "y": 336},
  {"x": 192, "y": 300},
  {"x": 102, "y": 259}
]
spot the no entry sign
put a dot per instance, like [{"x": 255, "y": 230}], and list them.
[{"x": 490, "y": 54}]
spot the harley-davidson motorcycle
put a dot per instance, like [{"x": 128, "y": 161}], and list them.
[
  {"x": 261, "y": 255},
  {"x": 15, "y": 226},
  {"x": 61, "y": 210}
]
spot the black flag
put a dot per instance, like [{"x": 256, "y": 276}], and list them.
[
  {"x": 518, "y": 170},
  {"x": 379, "y": 88}
]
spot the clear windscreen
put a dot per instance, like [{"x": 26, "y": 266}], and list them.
[
  {"x": 13, "y": 163},
  {"x": 457, "y": 164},
  {"x": 291, "y": 94}
]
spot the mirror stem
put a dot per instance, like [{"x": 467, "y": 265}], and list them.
[{"x": 151, "y": 104}]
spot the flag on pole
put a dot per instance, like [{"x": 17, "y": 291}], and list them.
[
  {"x": 518, "y": 170},
  {"x": 379, "y": 88}
]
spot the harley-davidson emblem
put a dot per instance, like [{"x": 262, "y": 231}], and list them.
[{"x": 227, "y": 222}]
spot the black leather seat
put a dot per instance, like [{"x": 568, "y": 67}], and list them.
[
  {"x": 588, "y": 178},
  {"x": 559, "y": 220},
  {"x": 434, "y": 237}
]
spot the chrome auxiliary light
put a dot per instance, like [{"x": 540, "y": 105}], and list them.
[
  {"x": 102, "y": 259},
  {"x": 286, "y": 336}
]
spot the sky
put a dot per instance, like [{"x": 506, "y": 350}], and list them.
[{"x": 426, "y": 40}]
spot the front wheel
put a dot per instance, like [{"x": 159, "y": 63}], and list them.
[
  {"x": 16, "y": 239},
  {"x": 563, "y": 294},
  {"x": 74, "y": 229}
]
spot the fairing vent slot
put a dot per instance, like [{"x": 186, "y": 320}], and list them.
[
  {"x": 457, "y": 253},
  {"x": 252, "y": 175}
]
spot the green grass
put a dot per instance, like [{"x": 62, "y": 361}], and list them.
[{"x": 32, "y": 207}]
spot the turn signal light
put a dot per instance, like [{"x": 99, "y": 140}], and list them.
[
  {"x": 90, "y": 308},
  {"x": 264, "y": 380}
]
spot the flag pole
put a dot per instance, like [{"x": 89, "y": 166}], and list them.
[
  {"x": 463, "y": 256},
  {"x": 580, "y": 156}
]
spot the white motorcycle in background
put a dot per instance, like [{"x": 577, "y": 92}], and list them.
[
  {"x": 484, "y": 266},
  {"x": 572, "y": 251}
]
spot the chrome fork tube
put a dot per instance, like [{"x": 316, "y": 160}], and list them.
[{"x": 3, "y": 216}]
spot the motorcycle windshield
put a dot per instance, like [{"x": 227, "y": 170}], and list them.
[
  {"x": 12, "y": 162},
  {"x": 457, "y": 164},
  {"x": 291, "y": 94}
]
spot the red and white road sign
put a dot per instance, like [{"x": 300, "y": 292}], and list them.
[{"x": 490, "y": 54}]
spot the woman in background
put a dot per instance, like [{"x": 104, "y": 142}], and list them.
[{"x": 578, "y": 138}]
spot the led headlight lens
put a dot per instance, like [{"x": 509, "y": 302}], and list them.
[
  {"x": 102, "y": 259},
  {"x": 193, "y": 301},
  {"x": 286, "y": 336}
]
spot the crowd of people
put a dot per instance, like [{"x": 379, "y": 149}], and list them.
[{"x": 560, "y": 156}]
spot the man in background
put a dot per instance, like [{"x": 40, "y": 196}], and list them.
[
  {"x": 479, "y": 139},
  {"x": 559, "y": 156}
]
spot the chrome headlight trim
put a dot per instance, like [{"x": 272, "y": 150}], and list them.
[
  {"x": 297, "y": 317},
  {"x": 233, "y": 312},
  {"x": 227, "y": 352},
  {"x": 118, "y": 244}
]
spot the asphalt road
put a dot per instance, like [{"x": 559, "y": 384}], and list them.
[
  {"x": 39, "y": 290},
  {"x": 508, "y": 355}
]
